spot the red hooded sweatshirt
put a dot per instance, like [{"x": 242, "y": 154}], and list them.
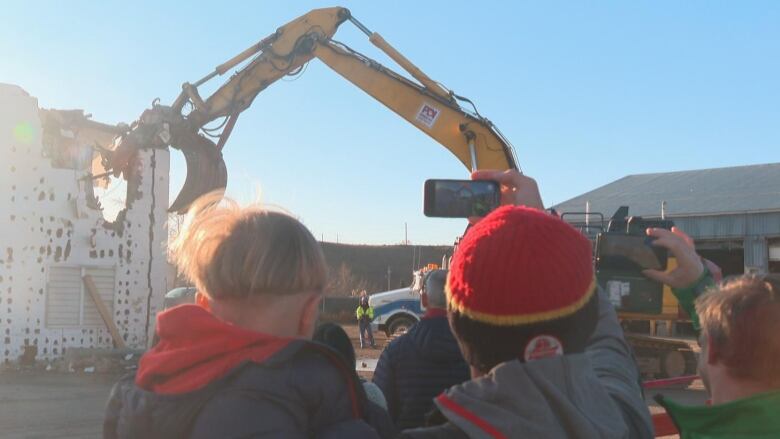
[{"x": 197, "y": 348}]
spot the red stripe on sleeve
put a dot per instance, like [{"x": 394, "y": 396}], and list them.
[
  {"x": 469, "y": 416},
  {"x": 663, "y": 425}
]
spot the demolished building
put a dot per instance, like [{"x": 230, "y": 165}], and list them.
[{"x": 54, "y": 234}]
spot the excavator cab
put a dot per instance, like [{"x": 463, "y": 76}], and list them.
[
  {"x": 657, "y": 357},
  {"x": 621, "y": 253},
  {"x": 589, "y": 224}
]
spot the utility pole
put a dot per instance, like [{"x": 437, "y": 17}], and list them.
[
  {"x": 406, "y": 234},
  {"x": 587, "y": 216},
  {"x": 389, "y": 272}
]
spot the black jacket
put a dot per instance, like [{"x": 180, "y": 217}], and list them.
[
  {"x": 418, "y": 366},
  {"x": 299, "y": 390}
]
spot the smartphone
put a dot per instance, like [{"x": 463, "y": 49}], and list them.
[
  {"x": 460, "y": 198},
  {"x": 630, "y": 253},
  {"x": 637, "y": 225}
]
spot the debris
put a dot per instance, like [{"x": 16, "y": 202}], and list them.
[
  {"x": 28, "y": 356},
  {"x": 90, "y": 369},
  {"x": 128, "y": 357},
  {"x": 104, "y": 365}
]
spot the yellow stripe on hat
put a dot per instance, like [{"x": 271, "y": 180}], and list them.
[{"x": 522, "y": 319}]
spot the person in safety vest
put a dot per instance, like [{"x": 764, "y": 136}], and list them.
[{"x": 365, "y": 315}]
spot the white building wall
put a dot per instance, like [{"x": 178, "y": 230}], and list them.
[{"x": 45, "y": 221}]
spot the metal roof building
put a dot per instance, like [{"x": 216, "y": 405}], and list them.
[{"x": 731, "y": 212}]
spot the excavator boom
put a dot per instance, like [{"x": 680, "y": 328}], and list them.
[
  {"x": 473, "y": 139},
  {"x": 442, "y": 120},
  {"x": 276, "y": 56}
]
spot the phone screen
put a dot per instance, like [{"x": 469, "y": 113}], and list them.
[
  {"x": 629, "y": 253},
  {"x": 460, "y": 198}
]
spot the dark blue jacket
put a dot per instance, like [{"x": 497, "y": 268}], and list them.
[
  {"x": 418, "y": 366},
  {"x": 293, "y": 395},
  {"x": 208, "y": 379}
]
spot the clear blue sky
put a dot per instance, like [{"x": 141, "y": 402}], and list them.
[{"x": 586, "y": 91}]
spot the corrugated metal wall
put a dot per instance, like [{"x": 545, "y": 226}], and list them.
[
  {"x": 713, "y": 227},
  {"x": 756, "y": 253},
  {"x": 753, "y": 228},
  {"x": 730, "y": 226}
]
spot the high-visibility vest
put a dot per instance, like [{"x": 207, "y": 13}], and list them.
[{"x": 369, "y": 312}]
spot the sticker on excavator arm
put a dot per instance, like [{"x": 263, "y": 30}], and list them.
[{"x": 428, "y": 115}]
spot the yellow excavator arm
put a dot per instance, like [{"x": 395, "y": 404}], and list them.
[{"x": 474, "y": 140}]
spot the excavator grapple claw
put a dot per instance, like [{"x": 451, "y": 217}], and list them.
[
  {"x": 206, "y": 172},
  {"x": 161, "y": 127}
]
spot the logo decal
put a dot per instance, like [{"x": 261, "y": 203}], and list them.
[
  {"x": 542, "y": 346},
  {"x": 428, "y": 115}
]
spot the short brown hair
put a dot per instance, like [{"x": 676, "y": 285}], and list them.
[
  {"x": 233, "y": 252},
  {"x": 484, "y": 346},
  {"x": 742, "y": 321}
]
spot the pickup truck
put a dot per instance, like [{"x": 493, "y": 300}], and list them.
[{"x": 396, "y": 311}]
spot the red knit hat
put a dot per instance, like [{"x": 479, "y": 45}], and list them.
[{"x": 520, "y": 266}]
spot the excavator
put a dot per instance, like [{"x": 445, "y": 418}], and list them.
[{"x": 423, "y": 102}]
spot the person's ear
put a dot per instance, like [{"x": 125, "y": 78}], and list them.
[
  {"x": 309, "y": 315},
  {"x": 202, "y": 300}
]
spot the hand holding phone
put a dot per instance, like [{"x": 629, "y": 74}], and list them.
[
  {"x": 689, "y": 263},
  {"x": 516, "y": 189}
]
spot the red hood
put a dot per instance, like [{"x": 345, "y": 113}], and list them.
[{"x": 196, "y": 348}]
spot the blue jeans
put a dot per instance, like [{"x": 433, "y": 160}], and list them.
[{"x": 365, "y": 333}]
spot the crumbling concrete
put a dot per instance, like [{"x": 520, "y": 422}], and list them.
[{"x": 52, "y": 231}]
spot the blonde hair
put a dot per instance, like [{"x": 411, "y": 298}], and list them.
[{"x": 234, "y": 252}]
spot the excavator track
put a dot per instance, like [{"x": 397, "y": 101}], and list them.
[{"x": 660, "y": 358}]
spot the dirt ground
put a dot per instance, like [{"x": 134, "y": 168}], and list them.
[
  {"x": 52, "y": 405},
  {"x": 380, "y": 339},
  {"x": 366, "y": 357},
  {"x": 60, "y": 405}
]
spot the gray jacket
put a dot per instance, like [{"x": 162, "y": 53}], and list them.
[{"x": 592, "y": 395}]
